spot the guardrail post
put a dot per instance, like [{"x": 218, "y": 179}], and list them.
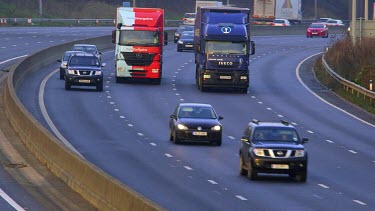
[
  {"x": 29, "y": 20},
  {"x": 15, "y": 20},
  {"x": 1, "y": 21},
  {"x": 96, "y": 21},
  {"x": 78, "y": 21}
]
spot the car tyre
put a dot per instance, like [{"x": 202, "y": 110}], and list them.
[
  {"x": 243, "y": 171},
  {"x": 175, "y": 139},
  {"x": 99, "y": 87},
  {"x": 61, "y": 76},
  {"x": 170, "y": 135},
  {"x": 218, "y": 142},
  {"x": 179, "y": 50},
  {"x": 68, "y": 86},
  {"x": 301, "y": 177},
  {"x": 251, "y": 174}
]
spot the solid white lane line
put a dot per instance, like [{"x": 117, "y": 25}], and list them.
[
  {"x": 46, "y": 116},
  {"x": 329, "y": 141},
  {"x": 10, "y": 201},
  {"x": 168, "y": 155},
  {"x": 188, "y": 168},
  {"x": 212, "y": 182},
  {"x": 241, "y": 198},
  {"x": 352, "y": 151},
  {"x": 323, "y": 186},
  {"x": 8, "y": 60},
  {"x": 323, "y": 100},
  {"x": 359, "y": 202}
]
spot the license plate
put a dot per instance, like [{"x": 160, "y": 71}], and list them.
[
  {"x": 84, "y": 81},
  {"x": 200, "y": 133},
  {"x": 189, "y": 46},
  {"x": 315, "y": 33},
  {"x": 280, "y": 166},
  {"x": 226, "y": 77}
]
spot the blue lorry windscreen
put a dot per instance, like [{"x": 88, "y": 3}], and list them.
[{"x": 216, "y": 18}]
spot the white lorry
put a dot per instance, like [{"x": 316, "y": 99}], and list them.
[
  {"x": 265, "y": 11},
  {"x": 207, "y": 4}
]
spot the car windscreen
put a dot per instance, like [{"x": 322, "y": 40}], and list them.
[
  {"x": 196, "y": 112},
  {"x": 189, "y": 16},
  {"x": 185, "y": 28},
  {"x": 279, "y": 21},
  {"x": 84, "y": 61},
  {"x": 225, "y": 47},
  {"x": 276, "y": 134},
  {"x": 317, "y": 26},
  {"x": 187, "y": 36},
  {"x": 144, "y": 38}
]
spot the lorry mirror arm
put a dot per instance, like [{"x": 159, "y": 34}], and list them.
[
  {"x": 252, "y": 47},
  {"x": 119, "y": 25},
  {"x": 165, "y": 38}
]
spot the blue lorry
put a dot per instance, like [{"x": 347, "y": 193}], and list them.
[{"x": 222, "y": 46}]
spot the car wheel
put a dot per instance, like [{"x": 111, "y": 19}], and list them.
[
  {"x": 179, "y": 50},
  {"x": 118, "y": 79},
  {"x": 175, "y": 41},
  {"x": 61, "y": 76},
  {"x": 170, "y": 135},
  {"x": 243, "y": 171},
  {"x": 218, "y": 142},
  {"x": 301, "y": 177},
  {"x": 99, "y": 87},
  {"x": 68, "y": 86},
  {"x": 175, "y": 139},
  {"x": 251, "y": 174}
]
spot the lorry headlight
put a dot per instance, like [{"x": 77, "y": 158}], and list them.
[
  {"x": 300, "y": 153},
  {"x": 180, "y": 42},
  {"x": 176, "y": 34},
  {"x": 216, "y": 128},
  {"x": 182, "y": 127},
  {"x": 71, "y": 72},
  {"x": 244, "y": 77},
  {"x": 98, "y": 72},
  {"x": 258, "y": 152},
  {"x": 155, "y": 70},
  {"x": 206, "y": 76}
]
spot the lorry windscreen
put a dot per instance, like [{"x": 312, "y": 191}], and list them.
[
  {"x": 225, "y": 47},
  {"x": 144, "y": 38}
]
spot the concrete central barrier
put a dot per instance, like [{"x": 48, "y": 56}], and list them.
[{"x": 96, "y": 186}]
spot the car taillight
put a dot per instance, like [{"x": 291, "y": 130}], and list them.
[
  {"x": 183, "y": 19},
  {"x": 284, "y": 24}
]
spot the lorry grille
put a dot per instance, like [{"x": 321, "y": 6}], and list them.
[{"x": 138, "y": 59}]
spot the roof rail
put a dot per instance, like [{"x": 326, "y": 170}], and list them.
[
  {"x": 255, "y": 121},
  {"x": 284, "y": 122}
]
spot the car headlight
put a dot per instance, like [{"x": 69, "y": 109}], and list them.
[
  {"x": 182, "y": 127},
  {"x": 258, "y": 152},
  {"x": 300, "y": 153},
  {"x": 216, "y": 128},
  {"x": 71, "y": 72},
  {"x": 98, "y": 72},
  {"x": 180, "y": 42},
  {"x": 177, "y": 35}
]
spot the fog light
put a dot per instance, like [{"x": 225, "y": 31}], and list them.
[
  {"x": 243, "y": 78},
  {"x": 155, "y": 70},
  {"x": 206, "y": 76}
]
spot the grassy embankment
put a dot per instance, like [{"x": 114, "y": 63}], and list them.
[{"x": 354, "y": 63}]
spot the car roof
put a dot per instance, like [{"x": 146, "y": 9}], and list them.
[
  {"x": 256, "y": 123},
  {"x": 84, "y": 45},
  {"x": 70, "y": 52},
  {"x": 195, "y": 105},
  {"x": 81, "y": 53}
]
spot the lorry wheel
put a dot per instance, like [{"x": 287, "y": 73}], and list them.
[
  {"x": 68, "y": 86},
  {"x": 200, "y": 85},
  {"x": 118, "y": 80},
  {"x": 156, "y": 81}
]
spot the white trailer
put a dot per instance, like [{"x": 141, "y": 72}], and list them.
[
  {"x": 207, "y": 4},
  {"x": 264, "y": 11},
  {"x": 289, "y": 9}
]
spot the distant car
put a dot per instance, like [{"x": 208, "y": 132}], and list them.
[
  {"x": 280, "y": 22},
  {"x": 195, "y": 122},
  {"x": 88, "y": 48},
  {"x": 84, "y": 69},
  {"x": 324, "y": 20},
  {"x": 188, "y": 19},
  {"x": 181, "y": 29},
  {"x": 274, "y": 148},
  {"x": 186, "y": 41},
  {"x": 64, "y": 62},
  {"x": 335, "y": 23},
  {"x": 317, "y": 30}
]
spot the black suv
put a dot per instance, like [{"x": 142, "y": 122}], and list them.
[
  {"x": 273, "y": 147},
  {"x": 84, "y": 69}
]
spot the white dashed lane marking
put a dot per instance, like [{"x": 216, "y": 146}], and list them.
[
  {"x": 241, "y": 198},
  {"x": 359, "y": 202},
  {"x": 130, "y": 125},
  {"x": 293, "y": 123},
  {"x": 309, "y": 131},
  {"x": 323, "y": 186},
  {"x": 188, "y": 168},
  {"x": 212, "y": 182},
  {"x": 122, "y": 117},
  {"x": 231, "y": 137},
  {"x": 116, "y": 109},
  {"x": 153, "y": 144},
  {"x": 168, "y": 155},
  {"x": 140, "y": 134},
  {"x": 269, "y": 109},
  {"x": 329, "y": 141},
  {"x": 352, "y": 151},
  {"x": 281, "y": 116}
]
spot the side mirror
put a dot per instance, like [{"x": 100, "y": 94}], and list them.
[
  {"x": 172, "y": 116},
  {"x": 220, "y": 117},
  {"x": 252, "y": 48},
  {"x": 100, "y": 53},
  {"x": 104, "y": 64},
  {"x": 165, "y": 38},
  {"x": 58, "y": 60},
  {"x": 119, "y": 25},
  {"x": 245, "y": 139},
  {"x": 114, "y": 36},
  {"x": 304, "y": 140}
]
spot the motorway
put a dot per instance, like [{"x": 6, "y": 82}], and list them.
[{"x": 124, "y": 131}]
